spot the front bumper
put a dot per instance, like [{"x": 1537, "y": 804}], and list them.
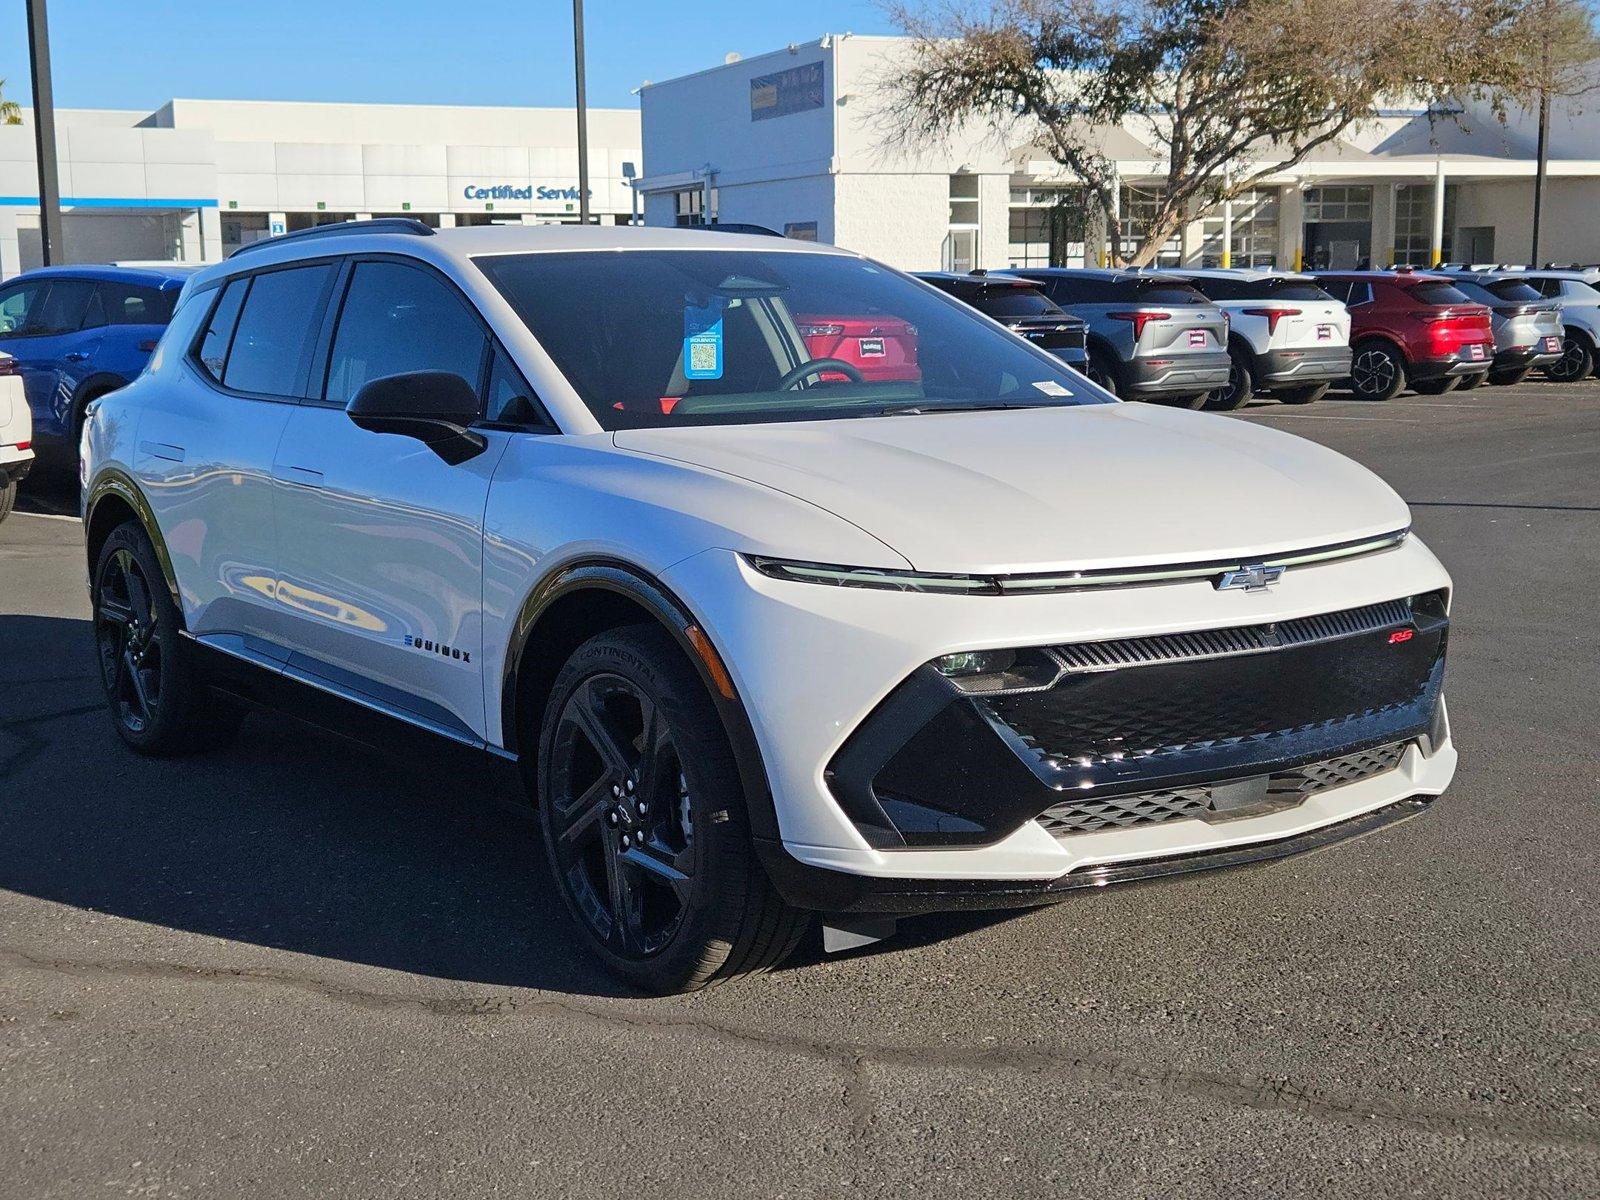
[
  {"x": 1317, "y": 364},
  {"x": 812, "y": 664},
  {"x": 1176, "y": 373},
  {"x": 14, "y": 469}
]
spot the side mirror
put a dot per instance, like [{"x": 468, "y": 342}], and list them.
[{"x": 435, "y": 407}]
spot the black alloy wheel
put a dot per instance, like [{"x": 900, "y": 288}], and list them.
[
  {"x": 644, "y": 819},
  {"x": 622, "y": 816},
  {"x": 132, "y": 643},
  {"x": 1241, "y": 386}
]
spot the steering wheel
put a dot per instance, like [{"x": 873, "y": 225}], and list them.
[{"x": 815, "y": 367}]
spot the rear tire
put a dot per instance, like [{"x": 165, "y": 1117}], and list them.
[
  {"x": 1435, "y": 387},
  {"x": 8, "y": 498},
  {"x": 1377, "y": 371},
  {"x": 1102, "y": 372},
  {"x": 1577, "y": 359},
  {"x": 1308, "y": 394},
  {"x": 1468, "y": 382},
  {"x": 644, "y": 820},
  {"x": 158, "y": 703},
  {"x": 1241, "y": 385},
  {"x": 1197, "y": 400},
  {"x": 1508, "y": 378}
]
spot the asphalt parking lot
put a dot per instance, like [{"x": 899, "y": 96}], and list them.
[{"x": 299, "y": 966}]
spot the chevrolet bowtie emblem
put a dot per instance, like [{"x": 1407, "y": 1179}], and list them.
[{"x": 1251, "y": 577}]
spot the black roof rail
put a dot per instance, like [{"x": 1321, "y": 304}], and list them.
[
  {"x": 407, "y": 225},
  {"x": 739, "y": 227}
]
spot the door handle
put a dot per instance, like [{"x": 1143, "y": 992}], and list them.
[
  {"x": 75, "y": 356},
  {"x": 303, "y": 476},
  {"x": 162, "y": 450}
]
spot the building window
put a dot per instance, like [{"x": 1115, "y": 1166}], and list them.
[
  {"x": 1139, "y": 205},
  {"x": 691, "y": 206},
  {"x": 1255, "y": 231},
  {"x": 1049, "y": 227},
  {"x": 1342, "y": 203},
  {"x": 961, "y": 242},
  {"x": 1413, "y": 223}
]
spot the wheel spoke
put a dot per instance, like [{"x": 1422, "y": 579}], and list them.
[
  {"x": 654, "y": 746},
  {"x": 595, "y": 722},
  {"x": 139, "y": 594},
  {"x": 662, "y": 867},
  {"x": 580, "y": 816},
  {"x": 621, "y": 896},
  {"x": 130, "y": 669},
  {"x": 114, "y": 611}
]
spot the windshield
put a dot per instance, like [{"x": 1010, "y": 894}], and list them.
[{"x": 717, "y": 337}]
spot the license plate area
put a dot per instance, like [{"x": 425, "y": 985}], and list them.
[
  {"x": 1324, "y": 333},
  {"x": 1552, "y": 344},
  {"x": 872, "y": 347},
  {"x": 1197, "y": 338}
]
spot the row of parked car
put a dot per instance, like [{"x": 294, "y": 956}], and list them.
[{"x": 1216, "y": 337}]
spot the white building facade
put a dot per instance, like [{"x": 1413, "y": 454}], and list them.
[
  {"x": 798, "y": 141},
  {"x": 197, "y": 178}
]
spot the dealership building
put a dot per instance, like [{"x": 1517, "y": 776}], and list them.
[
  {"x": 197, "y": 178},
  {"x": 799, "y": 140}
]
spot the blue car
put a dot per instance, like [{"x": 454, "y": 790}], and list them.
[{"x": 79, "y": 332}]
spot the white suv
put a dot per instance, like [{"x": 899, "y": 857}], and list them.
[
  {"x": 1286, "y": 336},
  {"x": 768, "y": 638},
  {"x": 16, "y": 434}
]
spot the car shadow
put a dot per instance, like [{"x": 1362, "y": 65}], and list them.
[{"x": 425, "y": 861}]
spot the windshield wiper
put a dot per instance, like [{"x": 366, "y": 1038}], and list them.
[{"x": 917, "y": 410}]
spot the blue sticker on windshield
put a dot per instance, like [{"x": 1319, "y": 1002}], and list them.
[{"x": 702, "y": 341}]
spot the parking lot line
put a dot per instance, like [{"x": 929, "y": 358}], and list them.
[{"x": 49, "y": 516}]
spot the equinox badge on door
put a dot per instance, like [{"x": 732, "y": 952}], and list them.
[{"x": 1251, "y": 577}]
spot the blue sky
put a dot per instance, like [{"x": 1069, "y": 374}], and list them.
[{"x": 139, "y": 53}]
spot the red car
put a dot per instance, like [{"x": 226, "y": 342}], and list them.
[
  {"x": 1409, "y": 328},
  {"x": 883, "y": 349}
]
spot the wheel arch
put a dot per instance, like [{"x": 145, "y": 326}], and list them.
[
  {"x": 92, "y": 387},
  {"x": 582, "y": 599},
  {"x": 1581, "y": 334},
  {"x": 114, "y": 499},
  {"x": 1388, "y": 341}
]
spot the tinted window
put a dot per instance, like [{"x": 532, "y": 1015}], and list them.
[
  {"x": 276, "y": 331},
  {"x": 17, "y": 302},
  {"x": 213, "y": 352},
  {"x": 1152, "y": 291},
  {"x": 1440, "y": 293},
  {"x": 1063, "y": 289},
  {"x": 398, "y": 319},
  {"x": 1014, "y": 302},
  {"x": 1224, "y": 289},
  {"x": 63, "y": 308},
  {"x": 510, "y": 398},
  {"x": 1292, "y": 289},
  {"x": 129, "y": 304},
  {"x": 1516, "y": 290},
  {"x": 712, "y": 337}
]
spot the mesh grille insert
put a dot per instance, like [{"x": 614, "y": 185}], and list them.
[{"x": 1177, "y": 804}]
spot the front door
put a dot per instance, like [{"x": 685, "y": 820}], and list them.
[
  {"x": 380, "y": 562},
  {"x": 40, "y": 321}
]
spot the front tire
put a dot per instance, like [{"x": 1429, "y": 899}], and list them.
[
  {"x": 157, "y": 701},
  {"x": 8, "y": 498},
  {"x": 1102, "y": 372},
  {"x": 1435, "y": 387},
  {"x": 1508, "y": 378},
  {"x": 1241, "y": 385},
  {"x": 1308, "y": 394},
  {"x": 644, "y": 820},
  {"x": 1377, "y": 372}
]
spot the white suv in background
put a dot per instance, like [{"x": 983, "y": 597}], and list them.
[
  {"x": 767, "y": 637},
  {"x": 16, "y": 434},
  {"x": 1286, "y": 336}
]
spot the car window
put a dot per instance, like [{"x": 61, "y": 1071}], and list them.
[
  {"x": 1157, "y": 291},
  {"x": 510, "y": 399},
  {"x": 276, "y": 331},
  {"x": 213, "y": 350},
  {"x": 128, "y": 304},
  {"x": 396, "y": 319},
  {"x": 714, "y": 337},
  {"x": 1517, "y": 290},
  {"x": 1440, "y": 293},
  {"x": 1015, "y": 302},
  {"x": 62, "y": 308},
  {"x": 1290, "y": 289},
  {"x": 1222, "y": 289},
  {"x": 1063, "y": 289},
  {"x": 1477, "y": 293},
  {"x": 17, "y": 302}
]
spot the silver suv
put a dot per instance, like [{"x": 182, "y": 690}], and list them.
[
  {"x": 1579, "y": 302},
  {"x": 1527, "y": 328},
  {"x": 1150, "y": 337}
]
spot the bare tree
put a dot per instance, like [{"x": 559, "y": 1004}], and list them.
[{"x": 1229, "y": 92}]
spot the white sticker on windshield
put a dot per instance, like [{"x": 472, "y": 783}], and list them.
[{"x": 1051, "y": 388}]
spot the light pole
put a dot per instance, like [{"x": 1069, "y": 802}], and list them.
[
  {"x": 583, "y": 112},
  {"x": 51, "y": 246}
]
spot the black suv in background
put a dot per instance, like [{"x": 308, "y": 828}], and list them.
[
  {"x": 1150, "y": 338},
  {"x": 1021, "y": 306}
]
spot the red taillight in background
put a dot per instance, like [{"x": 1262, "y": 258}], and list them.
[
  {"x": 1140, "y": 319},
  {"x": 1273, "y": 316}
]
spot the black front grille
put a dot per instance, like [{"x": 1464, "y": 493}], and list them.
[{"x": 1284, "y": 789}]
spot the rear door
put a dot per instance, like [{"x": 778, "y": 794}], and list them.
[
  {"x": 41, "y": 325},
  {"x": 131, "y": 317},
  {"x": 380, "y": 567}
]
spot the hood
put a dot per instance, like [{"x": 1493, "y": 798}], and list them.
[{"x": 1053, "y": 489}]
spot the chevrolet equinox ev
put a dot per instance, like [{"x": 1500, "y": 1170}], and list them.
[{"x": 767, "y": 637}]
